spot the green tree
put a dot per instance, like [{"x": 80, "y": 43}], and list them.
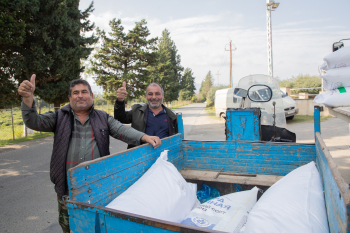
[
  {"x": 199, "y": 98},
  {"x": 168, "y": 70},
  {"x": 206, "y": 85},
  {"x": 12, "y": 35},
  {"x": 211, "y": 94},
  {"x": 187, "y": 84},
  {"x": 61, "y": 24},
  {"x": 52, "y": 46},
  {"x": 302, "y": 81},
  {"x": 124, "y": 57},
  {"x": 194, "y": 99},
  {"x": 99, "y": 100},
  {"x": 185, "y": 95}
]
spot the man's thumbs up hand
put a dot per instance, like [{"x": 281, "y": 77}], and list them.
[
  {"x": 122, "y": 93},
  {"x": 26, "y": 88},
  {"x": 32, "y": 81}
]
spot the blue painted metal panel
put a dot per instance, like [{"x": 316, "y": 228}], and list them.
[
  {"x": 106, "y": 178},
  {"x": 91, "y": 218},
  {"x": 180, "y": 125},
  {"x": 101, "y": 180},
  {"x": 81, "y": 220},
  {"x": 243, "y": 124},
  {"x": 317, "y": 119},
  {"x": 337, "y": 211},
  {"x": 247, "y": 157},
  {"x": 100, "y": 223}
]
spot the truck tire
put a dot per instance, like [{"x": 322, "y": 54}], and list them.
[
  {"x": 290, "y": 118},
  {"x": 222, "y": 116}
]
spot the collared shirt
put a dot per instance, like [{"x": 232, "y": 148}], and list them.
[
  {"x": 82, "y": 146},
  {"x": 157, "y": 125}
]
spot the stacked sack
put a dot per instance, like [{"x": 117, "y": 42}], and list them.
[{"x": 336, "y": 79}]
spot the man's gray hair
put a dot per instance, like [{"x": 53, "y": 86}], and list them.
[
  {"x": 76, "y": 82},
  {"x": 154, "y": 84}
]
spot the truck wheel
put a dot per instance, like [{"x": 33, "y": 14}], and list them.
[
  {"x": 290, "y": 118},
  {"x": 223, "y": 116}
]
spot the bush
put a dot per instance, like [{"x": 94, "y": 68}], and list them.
[
  {"x": 185, "y": 95},
  {"x": 302, "y": 81},
  {"x": 200, "y": 98},
  {"x": 211, "y": 94},
  {"x": 194, "y": 99}
]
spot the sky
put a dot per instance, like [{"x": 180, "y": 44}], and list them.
[{"x": 302, "y": 33}]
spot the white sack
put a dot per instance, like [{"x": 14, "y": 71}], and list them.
[
  {"x": 227, "y": 213},
  {"x": 295, "y": 203},
  {"x": 335, "y": 78},
  {"x": 334, "y": 98},
  {"x": 160, "y": 193},
  {"x": 324, "y": 66},
  {"x": 339, "y": 58}
]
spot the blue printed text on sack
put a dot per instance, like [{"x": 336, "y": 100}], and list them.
[{"x": 217, "y": 203}]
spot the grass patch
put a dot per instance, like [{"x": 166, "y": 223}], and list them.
[
  {"x": 211, "y": 112},
  {"x": 107, "y": 108},
  {"x": 6, "y": 131},
  {"x": 303, "y": 119},
  {"x": 179, "y": 106},
  {"x": 23, "y": 139}
]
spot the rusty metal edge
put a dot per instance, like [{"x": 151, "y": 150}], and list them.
[
  {"x": 254, "y": 142},
  {"x": 176, "y": 227}
]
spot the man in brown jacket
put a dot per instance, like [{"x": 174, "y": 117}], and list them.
[{"x": 152, "y": 118}]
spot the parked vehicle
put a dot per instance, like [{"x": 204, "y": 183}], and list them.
[
  {"x": 225, "y": 98},
  {"x": 242, "y": 159},
  {"x": 290, "y": 107}
]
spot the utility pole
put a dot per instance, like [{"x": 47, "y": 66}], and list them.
[
  {"x": 269, "y": 6},
  {"x": 230, "y": 83},
  {"x": 218, "y": 77}
]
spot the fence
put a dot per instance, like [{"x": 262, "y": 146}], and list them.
[
  {"x": 12, "y": 127},
  {"x": 11, "y": 124}
]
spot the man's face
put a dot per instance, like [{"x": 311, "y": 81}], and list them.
[
  {"x": 154, "y": 96},
  {"x": 81, "y": 99}
]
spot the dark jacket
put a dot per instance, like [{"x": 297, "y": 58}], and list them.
[
  {"x": 63, "y": 131},
  {"x": 137, "y": 117}
]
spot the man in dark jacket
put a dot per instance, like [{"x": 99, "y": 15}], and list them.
[
  {"x": 81, "y": 134},
  {"x": 153, "y": 118}
]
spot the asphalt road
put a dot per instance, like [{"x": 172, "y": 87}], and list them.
[{"x": 28, "y": 201}]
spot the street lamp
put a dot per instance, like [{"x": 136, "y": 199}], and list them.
[{"x": 270, "y": 5}]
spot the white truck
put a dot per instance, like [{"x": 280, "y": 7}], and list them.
[{"x": 225, "y": 98}]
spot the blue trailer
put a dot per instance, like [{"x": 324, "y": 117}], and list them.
[{"x": 242, "y": 159}]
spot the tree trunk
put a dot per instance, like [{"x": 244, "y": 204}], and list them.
[{"x": 57, "y": 106}]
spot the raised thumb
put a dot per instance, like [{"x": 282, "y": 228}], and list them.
[
  {"x": 32, "y": 80},
  {"x": 124, "y": 84}
]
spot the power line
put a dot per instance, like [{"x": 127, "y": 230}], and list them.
[
  {"x": 222, "y": 60},
  {"x": 218, "y": 77}
]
